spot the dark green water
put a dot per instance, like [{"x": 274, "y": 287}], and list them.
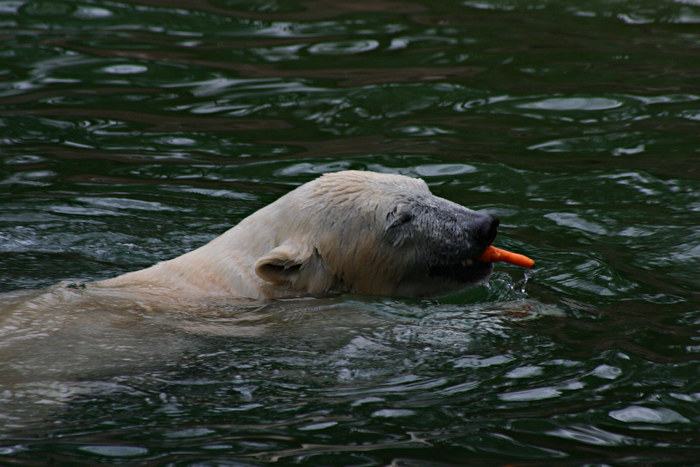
[{"x": 133, "y": 131}]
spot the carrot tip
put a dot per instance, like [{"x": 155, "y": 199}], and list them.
[{"x": 495, "y": 255}]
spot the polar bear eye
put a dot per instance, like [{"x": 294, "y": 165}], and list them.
[{"x": 397, "y": 219}]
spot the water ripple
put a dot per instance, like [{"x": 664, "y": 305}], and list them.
[
  {"x": 637, "y": 414},
  {"x": 576, "y": 124},
  {"x": 572, "y": 103}
]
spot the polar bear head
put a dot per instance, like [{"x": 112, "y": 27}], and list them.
[{"x": 373, "y": 233}]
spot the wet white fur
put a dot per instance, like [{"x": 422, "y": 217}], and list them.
[{"x": 323, "y": 236}]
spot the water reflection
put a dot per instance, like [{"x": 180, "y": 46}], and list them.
[{"x": 575, "y": 124}]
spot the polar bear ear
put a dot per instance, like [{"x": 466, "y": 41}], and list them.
[{"x": 282, "y": 265}]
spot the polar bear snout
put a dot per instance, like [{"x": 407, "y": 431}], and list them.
[
  {"x": 447, "y": 238},
  {"x": 487, "y": 229},
  {"x": 451, "y": 232}
]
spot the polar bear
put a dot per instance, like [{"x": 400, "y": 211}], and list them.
[{"x": 350, "y": 231}]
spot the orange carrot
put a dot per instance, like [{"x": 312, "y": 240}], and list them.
[{"x": 495, "y": 255}]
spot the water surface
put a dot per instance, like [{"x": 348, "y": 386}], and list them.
[{"x": 134, "y": 131}]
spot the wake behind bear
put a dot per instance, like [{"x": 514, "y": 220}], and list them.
[{"x": 350, "y": 231}]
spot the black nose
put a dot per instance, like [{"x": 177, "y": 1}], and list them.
[{"x": 487, "y": 229}]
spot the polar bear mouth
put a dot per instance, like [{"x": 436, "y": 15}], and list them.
[
  {"x": 445, "y": 278},
  {"x": 467, "y": 271}
]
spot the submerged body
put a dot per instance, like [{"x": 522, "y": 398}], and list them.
[{"x": 351, "y": 231}]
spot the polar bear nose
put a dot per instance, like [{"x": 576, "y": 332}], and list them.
[{"x": 487, "y": 229}]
